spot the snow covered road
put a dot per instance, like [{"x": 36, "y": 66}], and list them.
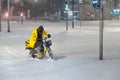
[{"x": 76, "y": 53}]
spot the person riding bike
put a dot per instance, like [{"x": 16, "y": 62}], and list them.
[{"x": 36, "y": 39}]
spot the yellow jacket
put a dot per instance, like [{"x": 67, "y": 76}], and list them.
[{"x": 32, "y": 41}]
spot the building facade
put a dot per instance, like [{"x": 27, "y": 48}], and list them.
[{"x": 85, "y": 11}]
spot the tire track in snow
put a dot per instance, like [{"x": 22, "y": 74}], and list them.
[{"x": 14, "y": 52}]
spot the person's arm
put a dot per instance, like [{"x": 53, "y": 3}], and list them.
[{"x": 47, "y": 34}]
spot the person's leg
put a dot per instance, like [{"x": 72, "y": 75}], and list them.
[
  {"x": 39, "y": 54},
  {"x": 40, "y": 50}
]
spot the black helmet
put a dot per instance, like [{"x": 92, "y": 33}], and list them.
[{"x": 40, "y": 28}]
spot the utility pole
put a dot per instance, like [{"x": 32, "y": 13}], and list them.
[
  {"x": 111, "y": 8},
  {"x": 98, "y": 5},
  {"x": 80, "y": 9},
  {"x": 66, "y": 20},
  {"x": 35, "y": 11},
  {"x": 101, "y": 32},
  {"x": 73, "y": 13},
  {"x": 66, "y": 9},
  {"x": 0, "y": 14},
  {"x": 8, "y": 6},
  {"x": 21, "y": 14}
]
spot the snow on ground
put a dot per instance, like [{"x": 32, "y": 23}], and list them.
[{"x": 76, "y": 52}]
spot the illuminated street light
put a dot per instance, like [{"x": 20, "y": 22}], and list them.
[
  {"x": 6, "y": 14},
  {"x": 21, "y": 14}
]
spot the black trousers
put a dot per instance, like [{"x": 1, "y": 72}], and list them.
[{"x": 40, "y": 45}]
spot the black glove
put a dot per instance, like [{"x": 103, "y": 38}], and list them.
[{"x": 49, "y": 35}]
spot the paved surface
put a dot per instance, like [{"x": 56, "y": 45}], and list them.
[{"x": 76, "y": 51}]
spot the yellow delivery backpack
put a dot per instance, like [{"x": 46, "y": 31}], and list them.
[{"x": 30, "y": 44}]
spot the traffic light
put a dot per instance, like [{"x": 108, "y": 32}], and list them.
[
  {"x": 96, "y": 3},
  {"x": 66, "y": 2}
]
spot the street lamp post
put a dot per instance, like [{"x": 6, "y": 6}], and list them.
[
  {"x": 111, "y": 8},
  {"x": 8, "y": 7},
  {"x": 73, "y": 13},
  {"x": 80, "y": 5},
  {"x": 35, "y": 11},
  {"x": 101, "y": 32},
  {"x": 21, "y": 14},
  {"x": 98, "y": 5},
  {"x": 67, "y": 20},
  {"x": 66, "y": 8},
  {"x": 0, "y": 15}
]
